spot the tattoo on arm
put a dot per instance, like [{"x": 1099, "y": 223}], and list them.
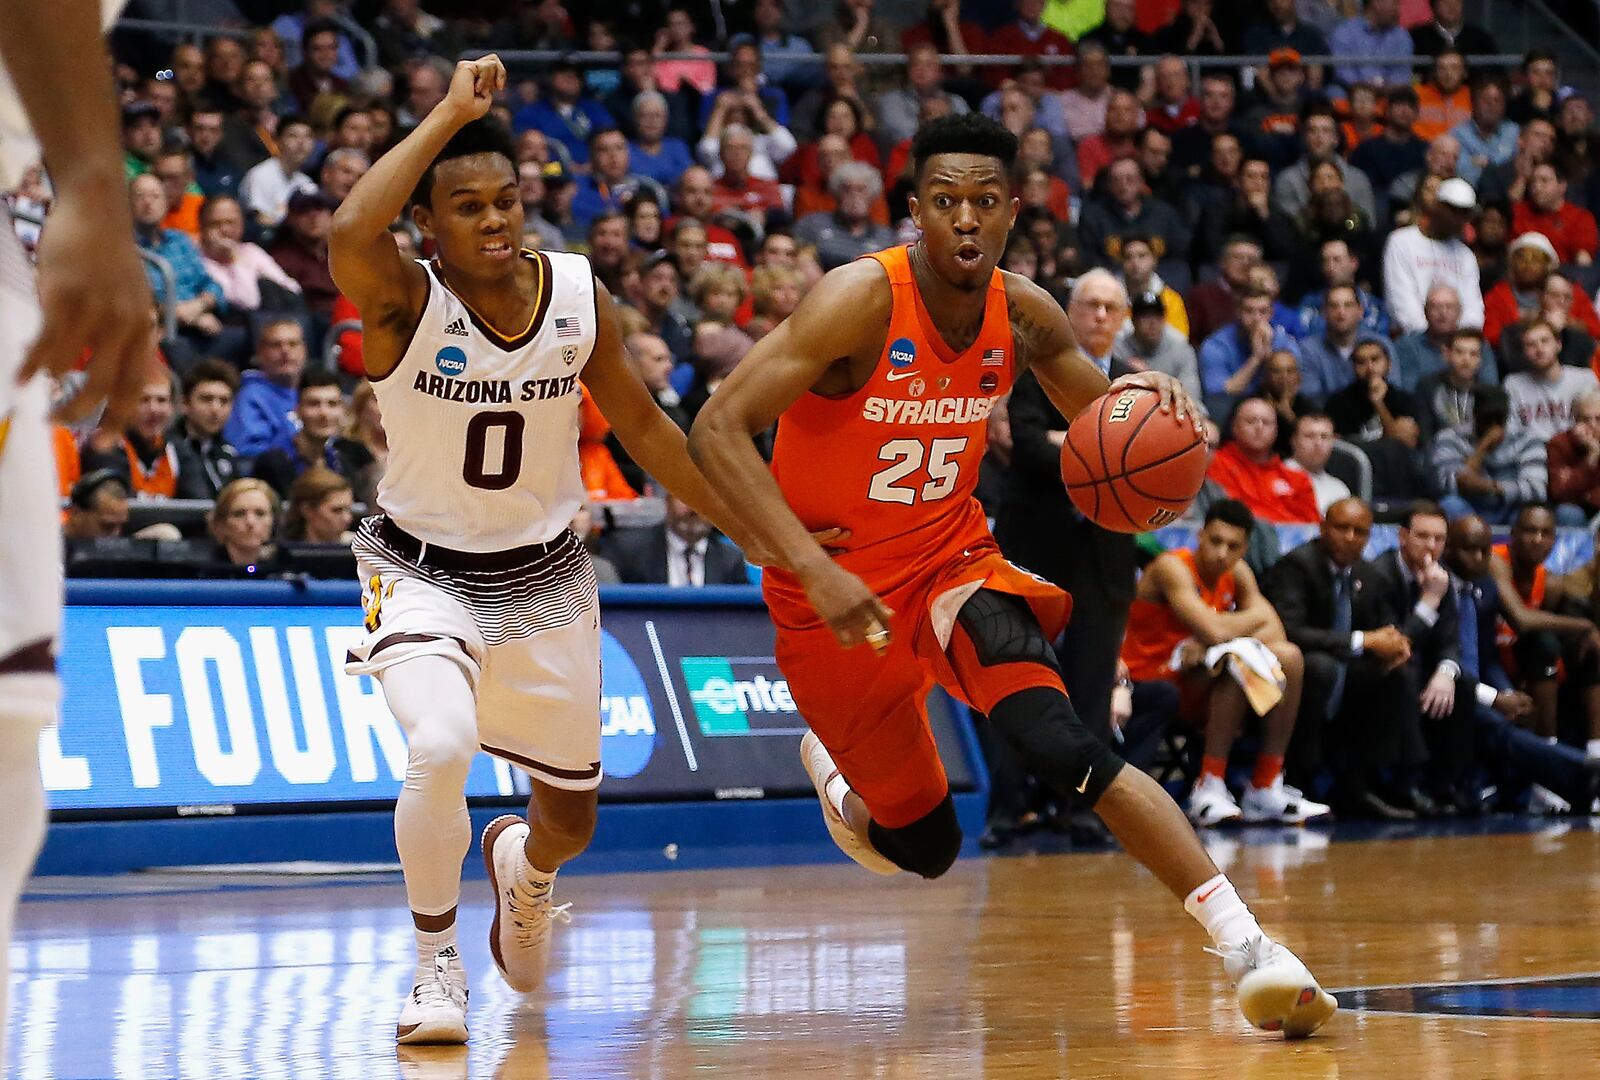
[{"x": 1026, "y": 333}]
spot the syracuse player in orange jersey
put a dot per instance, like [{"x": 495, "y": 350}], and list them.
[{"x": 881, "y": 382}]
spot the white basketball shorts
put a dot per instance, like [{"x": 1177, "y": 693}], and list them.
[
  {"x": 527, "y": 637},
  {"x": 30, "y": 516}
]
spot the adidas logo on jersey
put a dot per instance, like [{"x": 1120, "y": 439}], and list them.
[{"x": 457, "y": 328}]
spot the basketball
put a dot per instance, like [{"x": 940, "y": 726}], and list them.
[{"x": 1129, "y": 466}]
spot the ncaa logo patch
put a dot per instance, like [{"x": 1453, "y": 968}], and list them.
[
  {"x": 988, "y": 381},
  {"x": 902, "y": 353},
  {"x": 450, "y": 361}
]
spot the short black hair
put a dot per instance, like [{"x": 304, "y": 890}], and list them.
[
  {"x": 1230, "y": 512},
  {"x": 481, "y": 136},
  {"x": 964, "y": 133},
  {"x": 316, "y": 28},
  {"x": 207, "y": 370},
  {"x": 1422, "y": 508},
  {"x": 316, "y": 380},
  {"x": 91, "y": 484}
]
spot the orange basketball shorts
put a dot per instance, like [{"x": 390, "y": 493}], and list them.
[{"x": 870, "y": 709}]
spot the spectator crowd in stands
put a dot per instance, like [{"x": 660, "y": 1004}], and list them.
[{"x": 1377, "y": 277}]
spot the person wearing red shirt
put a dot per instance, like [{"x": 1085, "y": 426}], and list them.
[
  {"x": 1570, "y": 229},
  {"x": 695, "y": 197},
  {"x": 1573, "y": 458},
  {"x": 736, "y": 189},
  {"x": 1027, "y": 35},
  {"x": 1248, "y": 469},
  {"x": 1174, "y": 108},
  {"x": 1531, "y": 259},
  {"x": 1124, "y": 118}
]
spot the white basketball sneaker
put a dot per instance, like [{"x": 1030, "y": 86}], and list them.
[
  {"x": 1211, "y": 803},
  {"x": 1281, "y": 803},
  {"x": 822, "y": 769},
  {"x": 519, "y": 938},
  {"x": 1545, "y": 803},
  {"x": 1276, "y": 991},
  {"x": 437, "y": 1009}
]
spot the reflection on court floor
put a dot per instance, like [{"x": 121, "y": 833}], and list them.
[{"x": 1039, "y": 966}]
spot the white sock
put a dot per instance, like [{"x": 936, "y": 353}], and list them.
[
  {"x": 430, "y": 944},
  {"x": 1592, "y": 750},
  {"x": 1216, "y": 906},
  {"x": 532, "y": 880},
  {"x": 836, "y": 790}
]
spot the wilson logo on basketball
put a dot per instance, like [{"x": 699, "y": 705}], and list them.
[
  {"x": 1122, "y": 407},
  {"x": 1161, "y": 518}
]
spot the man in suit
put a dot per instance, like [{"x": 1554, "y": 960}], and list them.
[
  {"x": 1511, "y": 755},
  {"x": 1416, "y": 592},
  {"x": 1039, "y": 529},
  {"x": 679, "y": 552},
  {"x": 1329, "y": 602}
]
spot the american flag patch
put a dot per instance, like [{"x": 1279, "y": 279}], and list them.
[
  {"x": 994, "y": 358},
  {"x": 568, "y": 327}
]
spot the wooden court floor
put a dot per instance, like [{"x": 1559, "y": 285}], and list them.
[{"x": 1070, "y": 965}]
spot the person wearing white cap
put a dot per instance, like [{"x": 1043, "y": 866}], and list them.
[
  {"x": 1430, "y": 253},
  {"x": 1531, "y": 261}
]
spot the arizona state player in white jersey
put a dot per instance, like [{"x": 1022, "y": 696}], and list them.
[
  {"x": 55, "y": 97},
  {"x": 482, "y": 618}
]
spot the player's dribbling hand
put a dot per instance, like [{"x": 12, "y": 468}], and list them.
[
  {"x": 1174, "y": 398},
  {"x": 474, "y": 86},
  {"x": 93, "y": 294},
  {"x": 852, "y": 611}
]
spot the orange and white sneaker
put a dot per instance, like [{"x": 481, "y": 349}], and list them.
[
  {"x": 822, "y": 770},
  {"x": 519, "y": 937},
  {"x": 1277, "y": 992}
]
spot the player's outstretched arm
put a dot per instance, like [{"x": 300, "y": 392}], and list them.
[
  {"x": 1045, "y": 343},
  {"x": 385, "y": 287},
  {"x": 647, "y": 433},
  {"x": 843, "y": 319},
  {"x": 93, "y": 293}
]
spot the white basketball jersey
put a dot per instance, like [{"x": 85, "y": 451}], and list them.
[
  {"x": 483, "y": 430},
  {"x": 18, "y": 148}
]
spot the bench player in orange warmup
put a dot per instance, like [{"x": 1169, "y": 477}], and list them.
[{"x": 881, "y": 383}]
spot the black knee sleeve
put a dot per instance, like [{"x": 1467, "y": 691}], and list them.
[
  {"x": 1054, "y": 745},
  {"x": 928, "y": 846},
  {"x": 1003, "y": 630}
]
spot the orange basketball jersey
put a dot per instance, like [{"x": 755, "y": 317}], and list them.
[
  {"x": 1154, "y": 631},
  {"x": 897, "y": 461},
  {"x": 1505, "y": 637}
]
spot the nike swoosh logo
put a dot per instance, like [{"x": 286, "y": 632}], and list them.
[
  {"x": 1084, "y": 787},
  {"x": 896, "y": 376},
  {"x": 1208, "y": 893}
]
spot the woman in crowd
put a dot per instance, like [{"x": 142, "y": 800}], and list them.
[
  {"x": 718, "y": 290},
  {"x": 1330, "y": 214},
  {"x": 242, "y": 523},
  {"x": 366, "y": 427},
  {"x": 320, "y": 502},
  {"x": 775, "y": 293},
  {"x": 644, "y": 221}
]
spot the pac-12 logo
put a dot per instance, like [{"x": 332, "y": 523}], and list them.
[
  {"x": 627, "y": 719},
  {"x": 903, "y": 353},
  {"x": 450, "y": 361}
]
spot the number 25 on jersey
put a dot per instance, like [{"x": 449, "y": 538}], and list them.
[{"x": 905, "y": 457}]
